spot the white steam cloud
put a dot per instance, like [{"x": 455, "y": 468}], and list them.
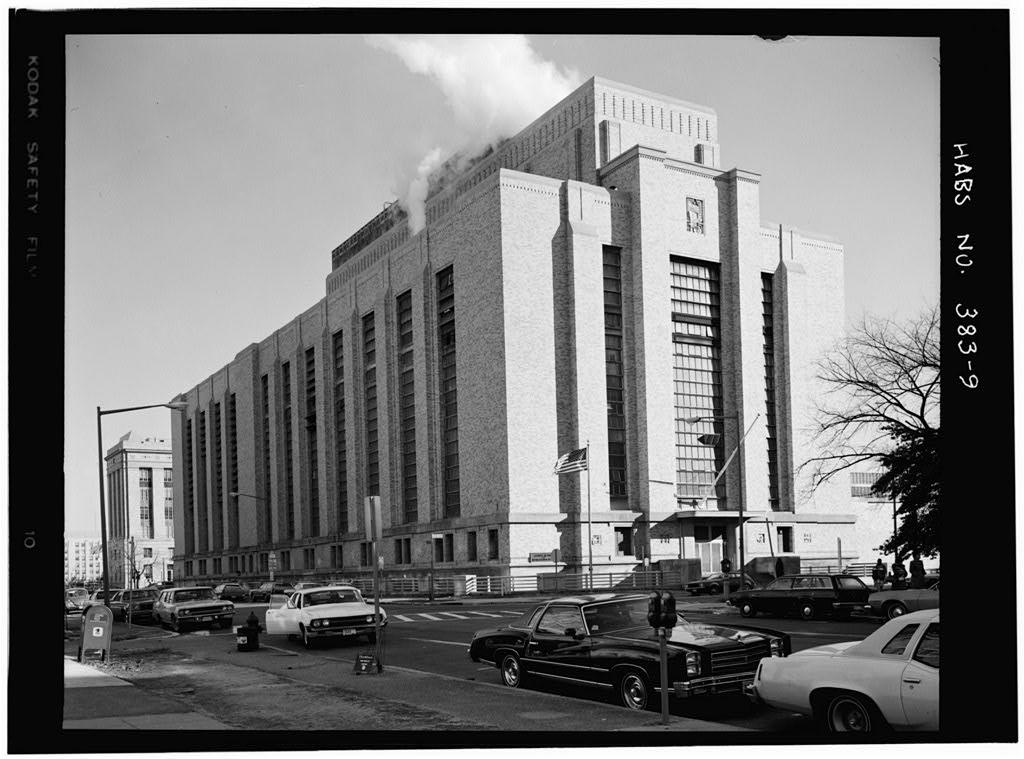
[{"x": 495, "y": 86}]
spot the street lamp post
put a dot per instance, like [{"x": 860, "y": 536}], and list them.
[
  {"x": 739, "y": 446},
  {"x": 100, "y": 413}
]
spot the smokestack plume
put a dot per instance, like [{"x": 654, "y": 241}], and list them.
[{"x": 495, "y": 86}]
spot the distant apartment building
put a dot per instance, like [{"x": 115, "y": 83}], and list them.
[
  {"x": 596, "y": 279},
  {"x": 140, "y": 511},
  {"x": 83, "y": 560}
]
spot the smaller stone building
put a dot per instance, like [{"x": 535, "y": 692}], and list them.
[{"x": 140, "y": 511}]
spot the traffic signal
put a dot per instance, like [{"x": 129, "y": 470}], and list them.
[
  {"x": 668, "y": 610},
  {"x": 654, "y": 609}
]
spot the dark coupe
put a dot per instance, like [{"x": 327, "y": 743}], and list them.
[
  {"x": 715, "y": 582},
  {"x": 809, "y": 596},
  {"x": 604, "y": 641}
]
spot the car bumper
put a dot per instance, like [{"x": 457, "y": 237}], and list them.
[
  {"x": 851, "y": 606},
  {"x": 710, "y": 685},
  {"x": 343, "y": 632},
  {"x": 205, "y": 619},
  {"x": 750, "y": 691}
]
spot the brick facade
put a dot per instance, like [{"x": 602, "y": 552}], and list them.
[{"x": 525, "y": 230}]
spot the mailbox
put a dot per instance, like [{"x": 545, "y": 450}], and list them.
[{"x": 96, "y": 629}]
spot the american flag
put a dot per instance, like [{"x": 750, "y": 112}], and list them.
[{"x": 573, "y": 461}]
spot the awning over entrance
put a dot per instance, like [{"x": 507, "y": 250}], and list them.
[{"x": 715, "y": 514}]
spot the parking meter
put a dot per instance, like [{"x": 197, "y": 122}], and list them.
[{"x": 96, "y": 629}]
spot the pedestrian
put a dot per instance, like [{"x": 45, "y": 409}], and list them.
[
  {"x": 780, "y": 567},
  {"x": 916, "y": 571},
  {"x": 899, "y": 574},
  {"x": 878, "y": 574}
]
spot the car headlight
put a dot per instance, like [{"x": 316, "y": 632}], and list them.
[
  {"x": 184, "y": 612},
  {"x": 316, "y": 623},
  {"x": 776, "y": 646},
  {"x": 692, "y": 663},
  {"x": 369, "y": 618}
]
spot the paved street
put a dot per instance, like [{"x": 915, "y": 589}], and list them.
[{"x": 425, "y": 646}]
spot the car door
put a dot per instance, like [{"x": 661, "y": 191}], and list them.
[
  {"x": 551, "y": 651},
  {"x": 284, "y": 620},
  {"x": 775, "y": 596},
  {"x": 919, "y": 686}
]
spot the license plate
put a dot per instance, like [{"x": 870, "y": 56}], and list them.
[
  {"x": 348, "y": 631},
  {"x": 206, "y": 619},
  {"x": 243, "y": 641}
]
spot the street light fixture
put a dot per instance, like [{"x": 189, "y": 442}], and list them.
[
  {"x": 100, "y": 413},
  {"x": 712, "y": 439}
]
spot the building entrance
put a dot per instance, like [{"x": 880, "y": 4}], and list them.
[{"x": 711, "y": 546}]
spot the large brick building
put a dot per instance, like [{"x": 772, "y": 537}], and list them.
[{"x": 599, "y": 277}]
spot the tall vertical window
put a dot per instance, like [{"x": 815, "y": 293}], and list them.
[
  {"x": 696, "y": 327},
  {"x": 340, "y": 449},
  {"x": 169, "y": 503},
  {"x": 613, "y": 371},
  {"x": 370, "y": 398},
  {"x": 314, "y": 473},
  {"x": 190, "y": 493},
  {"x": 204, "y": 514},
  {"x": 232, "y": 471},
  {"x": 449, "y": 395},
  {"x": 266, "y": 533},
  {"x": 146, "y": 501},
  {"x": 289, "y": 469},
  {"x": 407, "y": 407},
  {"x": 218, "y": 480},
  {"x": 769, "y": 391}
]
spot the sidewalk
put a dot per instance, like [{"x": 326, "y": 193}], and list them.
[{"x": 97, "y": 700}]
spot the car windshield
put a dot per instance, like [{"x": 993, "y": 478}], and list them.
[
  {"x": 320, "y": 597},
  {"x": 616, "y": 615},
  {"x": 713, "y": 576},
  {"x": 194, "y": 594}
]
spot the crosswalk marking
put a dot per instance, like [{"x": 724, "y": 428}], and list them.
[
  {"x": 453, "y": 614},
  {"x": 512, "y": 613},
  {"x": 401, "y": 617},
  {"x": 430, "y": 617},
  {"x": 483, "y": 614},
  {"x": 446, "y": 616}
]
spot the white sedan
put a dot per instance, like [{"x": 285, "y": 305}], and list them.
[
  {"x": 329, "y": 612},
  {"x": 889, "y": 680}
]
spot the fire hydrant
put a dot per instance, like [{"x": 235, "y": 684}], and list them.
[{"x": 249, "y": 635}]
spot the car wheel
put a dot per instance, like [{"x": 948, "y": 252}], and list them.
[
  {"x": 633, "y": 691},
  {"x": 175, "y": 625},
  {"x": 715, "y": 589},
  {"x": 371, "y": 638},
  {"x": 225, "y": 624},
  {"x": 895, "y": 609},
  {"x": 806, "y": 610},
  {"x": 852, "y": 713},
  {"x": 307, "y": 640},
  {"x": 747, "y": 609},
  {"x": 511, "y": 671}
]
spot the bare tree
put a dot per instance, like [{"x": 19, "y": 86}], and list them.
[{"x": 882, "y": 384}]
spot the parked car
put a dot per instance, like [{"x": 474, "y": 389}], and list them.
[
  {"x": 810, "y": 596},
  {"x": 75, "y": 599},
  {"x": 714, "y": 583},
  {"x": 888, "y": 680},
  {"x": 268, "y": 589},
  {"x": 324, "y": 612},
  {"x": 181, "y": 607},
  {"x": 97, "y": 599},
  {"x": 895, "y": 603},
  {"x": 605, "y": 641},
  {"x": 139, "y": 600},
  {"x": 302, "y": 585},
  {"x": 232, "y": 591}
]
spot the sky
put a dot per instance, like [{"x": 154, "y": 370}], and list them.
[{"x": 209, "y": 178}]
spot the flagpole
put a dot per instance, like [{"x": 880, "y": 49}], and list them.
[{"x": 590, "y": 542}]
